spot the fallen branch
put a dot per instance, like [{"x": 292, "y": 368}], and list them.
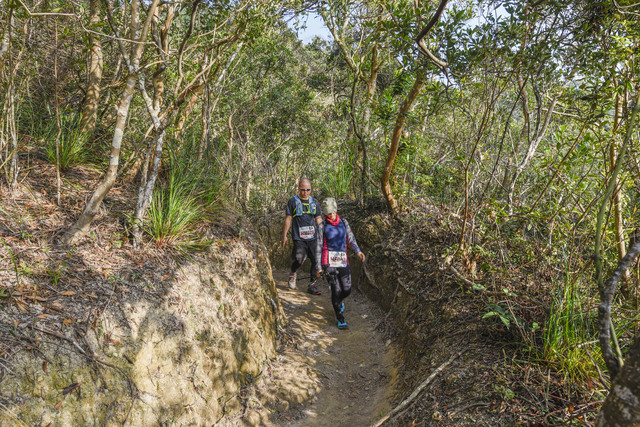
[{"x": 405, "y": 403}]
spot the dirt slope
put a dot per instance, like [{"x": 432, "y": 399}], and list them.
[{"x": 355, "y": 366}]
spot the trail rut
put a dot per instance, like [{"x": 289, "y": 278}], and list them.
[{"x": 356, "y": 367}]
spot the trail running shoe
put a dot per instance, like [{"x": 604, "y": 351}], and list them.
[
  {"x": 292, "y": 280},
  {"x": 313, "y": 289},
  {"x": 343, "y": 324},
  {"x": 342, "y": 308}
]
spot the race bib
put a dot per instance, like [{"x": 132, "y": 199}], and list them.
[
  {"x": 307, "y": 233},
  {"x": 337, "y": 259}
]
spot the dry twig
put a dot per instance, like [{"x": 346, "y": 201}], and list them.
[{"x": 405, "y": 403}]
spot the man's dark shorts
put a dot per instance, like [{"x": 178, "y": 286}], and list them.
[{"x": 302, "y": 249}]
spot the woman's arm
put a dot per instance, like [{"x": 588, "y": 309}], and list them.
[{"x": 351, "y": 238}]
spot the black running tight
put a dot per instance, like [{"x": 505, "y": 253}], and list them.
[{"x": 339, "y": 279}]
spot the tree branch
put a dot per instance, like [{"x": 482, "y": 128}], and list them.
[{"x": 430, "y": 24}]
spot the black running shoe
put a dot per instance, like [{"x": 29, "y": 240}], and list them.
[{"x": 313, "y": 289}]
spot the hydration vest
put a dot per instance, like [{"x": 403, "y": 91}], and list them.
[{"x": 300, "y": 208}]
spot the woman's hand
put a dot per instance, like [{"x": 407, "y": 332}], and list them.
[{"x": 361, "y": 256}]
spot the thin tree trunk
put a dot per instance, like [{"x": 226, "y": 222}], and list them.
[
  {"x": 203, "y": 144},
  {"x": 533, "y": 146},
  {"x": 395, "y": 141},
  {"x": 247, "y": 192},
  {"x": 81, "y": 226},
  {"x": 371, "y": 82},
  {"x": 8, "y": 130},
  {"x": 57, "y": 108},
  {"x": 148, "y": 180},
  {"x": 607, "y": 291},
  {"x": 145, "y": 192},
  {"x": 6, "y": 38},
  {"x": 617, "y": 202},
  {"x": 91, "y": 101}
]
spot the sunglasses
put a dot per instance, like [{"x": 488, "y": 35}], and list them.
[{"x": 304, "y": 189}]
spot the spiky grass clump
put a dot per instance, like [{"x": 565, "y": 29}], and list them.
[
  {"x": 570, "y": 336},
  {"x": 337, "y": 183},
  {"x": 174, "y": 214},
  {"x": 72, "y": 143}
]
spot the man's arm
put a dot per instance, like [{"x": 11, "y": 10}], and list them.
[
  {"x": 319, "y": 244},
  {"x": 285, "y": 231}
]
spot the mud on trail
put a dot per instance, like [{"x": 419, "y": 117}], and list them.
[{"x": 355, "y": 367}]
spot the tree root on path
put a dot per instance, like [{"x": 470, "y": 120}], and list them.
[{"x": 405, "y": 403}]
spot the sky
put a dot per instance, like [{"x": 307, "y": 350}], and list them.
[{"x": 315, "y": 27}]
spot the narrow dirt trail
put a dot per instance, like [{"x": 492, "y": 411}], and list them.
[{"x": 355, "y": 366}]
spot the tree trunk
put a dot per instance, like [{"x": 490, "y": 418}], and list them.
[
  {"x": 395, "y": 141},
  {"x": 145, "y": 192},
  {"x": 203, "y": 144},
  {"x": 372, "y": 82},
  {"x": 247, "y": 192},
  {"x": 622, "y": 407},
  {"x": 617, "y": 202},
  {"x": 6, "y": 38},
  {"x": 148, "y": 178},
  {"x": 81, "y": 226},
  {"x": 608, "y": 290},
  {"x": 91, "y": 101},
  {"x": 8, "y": 131}
]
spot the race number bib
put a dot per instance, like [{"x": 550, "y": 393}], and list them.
[
  {"x": 307, "y": 233},
  {"x": 337, "y": 259}
]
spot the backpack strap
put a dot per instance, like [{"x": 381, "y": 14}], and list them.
[
  {"x": 312, "y": 206},
  {"x": 300, "y": 208}
]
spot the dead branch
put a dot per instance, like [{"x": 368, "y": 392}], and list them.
[{"x": 405, "y": 403}]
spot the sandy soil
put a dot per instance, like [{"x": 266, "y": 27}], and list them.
[{"x": 355, "y": 366}]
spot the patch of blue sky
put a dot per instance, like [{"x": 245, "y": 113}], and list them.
[{"x": 310, "y": 26}]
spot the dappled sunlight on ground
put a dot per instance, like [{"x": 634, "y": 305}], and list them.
[{"x": 354, "y": 367}]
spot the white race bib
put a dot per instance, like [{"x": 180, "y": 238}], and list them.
[
  {"x": 307, "y": 233},
  {"x": 337, "y": 259}
]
